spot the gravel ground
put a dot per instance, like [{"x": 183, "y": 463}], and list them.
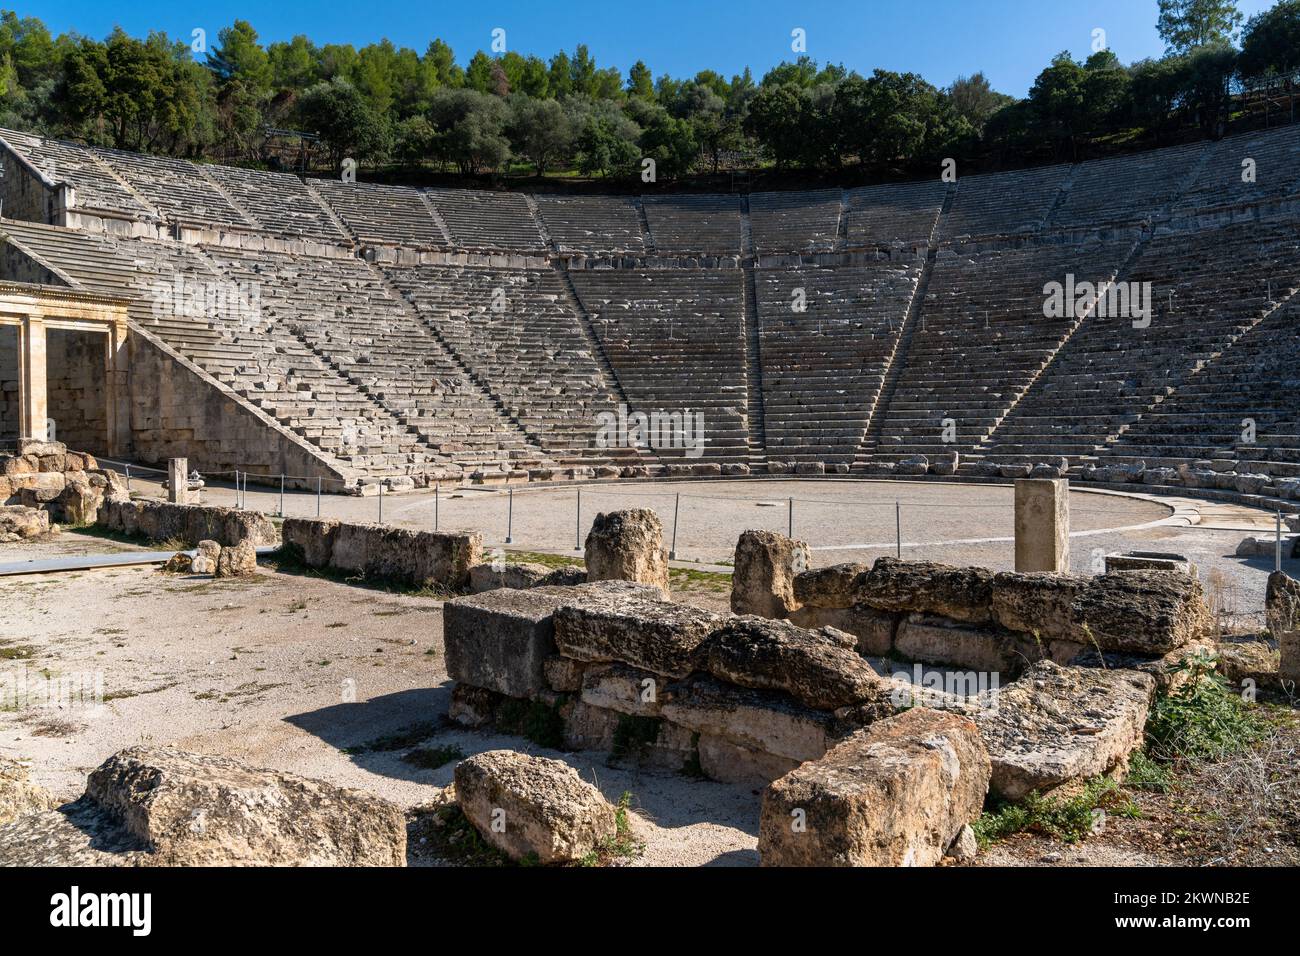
[{"x": 259, "y": 670}]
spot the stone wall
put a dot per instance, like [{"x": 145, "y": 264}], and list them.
[
  {"x": 25, "y": 195},
  {"x": 613, "y": 666},
  {"x": 434, "y": 559},
  {"x": 973, "y": 617},
  {"x": 75, "y": 384},
  {"x": 163, "y": 521},
  {"x": 8, "y": 383},
  {"x": 178, "y": 411}
]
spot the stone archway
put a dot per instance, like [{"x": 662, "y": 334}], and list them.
[{"x": 36, "y": 314}]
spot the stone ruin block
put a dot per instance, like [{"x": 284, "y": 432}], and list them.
[
  {"x": 161, "y": 521},
  {"x": 1144, "y": 612},
  {"x": 963, "y": 594},
  {"x": 763, "y": 721},
  {"x": 764, "y": 572},
  {"x": 838, "y": 586},
  {"x": 1042, "y": 524},
  {"x": 627, "y": 546},
  {"x": 875, "y": 630},
  {"x": 437, "y": 559},
  {"x": 18, "y": 522},
  {"x": 653, "y": 635},
  {"x": 522, "y": 575},
  {"x": 812, "y": 667},
  {"x": 500, "y": 640},
  {"x": 727, "y": 762},
  {"x": 938, "y": 640},
  {"x": 197, "y": 810},
  {"x": 1038, "y": 603},
  {"x": 1282, "y": 615},
  {"x": 1059, "y": 724},
  {"x": 532, "y": 807},
  {"x": 310, "y": 540},
  {"x": 895, "y": 794}
]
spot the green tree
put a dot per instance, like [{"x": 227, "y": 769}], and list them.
[
  {"x": 470, "y": 129},
  {"x": 1270, "y": 43},
  {"x": 974, "y": 99},
  {"x": 347, "y": 125},
  {"x": 540, "y": 131},
  {"x": 639, "y": 81},
  {"x": 1187, "y": 24}
]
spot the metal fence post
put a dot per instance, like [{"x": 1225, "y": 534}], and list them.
[
  {"x": 281, "y": 494},
  {"x": 1277, "y": 552},
  {"x": 318, "y": 483},
  {"x": 677, "y": 504},
  {"x": 898, "y": 529},
  {"x": 510, "y": 516},
  {"x": 789, "y": 519},
  {"x": 437, "y": 488},
  {"x": 128, "y": 478},
  {"x": 381, "y": 501},
  {"x": 577, "y": 530}
]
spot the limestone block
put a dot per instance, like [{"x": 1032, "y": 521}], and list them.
[{"x": 764, "y": 573}]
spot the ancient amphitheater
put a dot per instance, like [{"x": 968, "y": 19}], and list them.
[
  {"x": 311, "y": 690},
  {"x": 352, "y": 331}
]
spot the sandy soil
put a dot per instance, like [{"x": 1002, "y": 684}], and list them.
[{"x": 262, "y": 670}]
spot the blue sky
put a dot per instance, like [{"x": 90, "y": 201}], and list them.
[{"x": 1010, "y": 40}]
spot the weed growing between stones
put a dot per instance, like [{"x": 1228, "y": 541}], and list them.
[
  {"x": 1069, "y": 819},
  {"x": 1147, "y": 774},
  {"x": 622, "y": 845},
  {"x": 1203, "y": 719}
]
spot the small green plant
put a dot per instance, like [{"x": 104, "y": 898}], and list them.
[
  {"x": 1202, "y": 719},
  {"x": 1069, "y": 819},
  {"x": 622, "y": 845},
  {"x": 1147, "y": 774}
]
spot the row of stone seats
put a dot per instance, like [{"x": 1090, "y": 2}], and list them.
[
  {"x": 1207, "y": 288},
  {"x": 676, "y": 341},
  {"x": 593, "y": 224},
  {"x": 896, "y": 214},
  {"x": 95, "y": 185},
  {"x": 687, "y": 225},
  {"x": 487, "y": 220},
  {"x": 278, "y": 202},
  {"x": 1004, "y": 204},
  {"x": 981, "y": 338},
  {"x": 1126, "y": 188},
  {"x": 383, "y": 214},
  {"x": 823, "y": 367},
  {"x": 1207, "y": 417},
  {"x": 1276, "y": 156},
  {"x": 308, "y": 381},
  {"x": 805, "y": 221},
  {"x": 533, "y": 352},
  {"x": 176, "y": 187}
]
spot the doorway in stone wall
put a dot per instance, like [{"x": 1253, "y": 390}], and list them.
[
  {"x": 77, "y": 397},
  {"x": 9, "y": 412}
]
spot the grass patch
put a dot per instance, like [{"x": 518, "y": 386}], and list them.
[
  {"x": 431, "y": 758},
  {"x": 449, "y": 835},
  {"x": 1203, "y": 719},
  {"x": 532, "y": 720},
  {"x": 398, "y": 740},
  {"x": 622, "y": 845},
  {"x": 682, "y": 579},
  {"x": 1147, "y": 774},
  {"x": 1069, "y": 819},
  {"x": 17, "y": 652}
]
